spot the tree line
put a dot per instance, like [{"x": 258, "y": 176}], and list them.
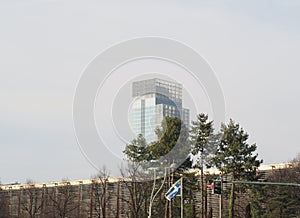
[
  {"x": 227, "y": 150},
  {"x": 192, "y": 150}
]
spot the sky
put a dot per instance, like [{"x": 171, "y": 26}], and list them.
[{"x": 252, "y": 46}]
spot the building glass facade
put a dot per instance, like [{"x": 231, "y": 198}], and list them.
[{"x": 155, "y": 99}]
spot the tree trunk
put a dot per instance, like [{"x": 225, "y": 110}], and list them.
[
  {"x": 210, "y": 215},
  {"x": 167, "y": 202},
  {"x": 232, "y": 198},
  {"x": 248, "y": 211},
  {"x": 205, "y": 198},
  {"x": 202, "y": 188},
  {"x": 170, "y": 203}
]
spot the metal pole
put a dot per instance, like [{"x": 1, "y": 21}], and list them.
[
  {"x": 170, "y": 202},
  {"x": 205, "y": 197},
  {"x": 79, "y": 198},
  {"x": 118, "y": 200},
  {"x": 181, "y": 193},
  {"x": 220, "y": 200},
  {"x": 91, "y": 198},
  {"x": 220, "y": 206},
  {"x": 152, "y": 193},
  {"x": 202, "y": 184},
  {"x": 152, "y": 197},
  {"x": 264, "y": 183}
]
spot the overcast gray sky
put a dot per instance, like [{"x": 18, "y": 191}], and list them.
[{"x": 253, "y": 46}]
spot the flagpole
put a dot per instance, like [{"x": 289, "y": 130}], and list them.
[{"x": 181, "y": 192}]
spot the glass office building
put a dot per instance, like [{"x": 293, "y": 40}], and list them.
[{"x": 155, "y": 99}]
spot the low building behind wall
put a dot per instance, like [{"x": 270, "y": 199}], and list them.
[
  {"x": 215, "y": 201},
  {"x": 98, "y": 198},
  {"x": 65, "y": 199}
]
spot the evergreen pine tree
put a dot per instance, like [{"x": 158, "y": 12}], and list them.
[{"x": 235, "y": 157}]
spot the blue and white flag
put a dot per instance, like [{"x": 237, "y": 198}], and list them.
[{"x": 174, "y": 190}]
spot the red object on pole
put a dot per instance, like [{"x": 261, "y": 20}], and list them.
[{"x": 210, "y": 186}]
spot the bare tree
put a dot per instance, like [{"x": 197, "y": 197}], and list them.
[
  {"x": 4, "y": 204},
  {"x": 100, "y": 193},
  {"x": 64, "y": 200},
  {"x": 32, "y": 200},
  {"x": 296, "y": 160},
  {"x": 138, "y": 190}
]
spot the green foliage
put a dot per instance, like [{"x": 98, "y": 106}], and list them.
[
  {"x": 277, "y": 201},
  {"x": 190, "y": 187},
  {"x": 280, "y": 202},
  {"x": 203, "y": 148},
  {"x": 202, "y": 139},
  {"x": 173, "y": 134},
  {"x": 259, "y": 196},
  {"x": 234, "y": 155},
  {"x": 228, "y": 151},
  {"x": 137, "y": 150},
  {"x": 173, "y": 142}
]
